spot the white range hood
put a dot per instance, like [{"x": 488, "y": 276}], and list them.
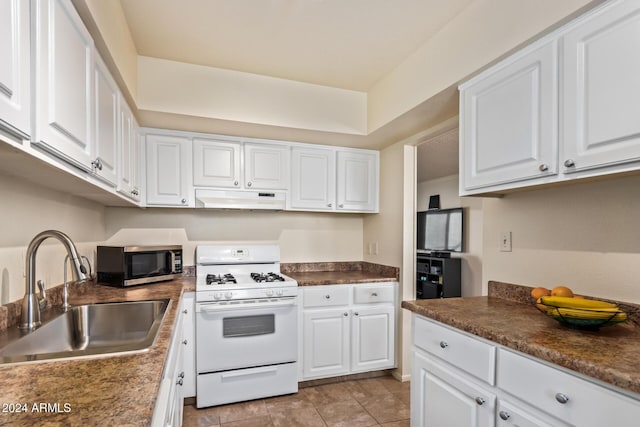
[{"x": 241, "y": 199}]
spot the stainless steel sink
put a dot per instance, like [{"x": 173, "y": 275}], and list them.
[{"x": 93, "y": 329}]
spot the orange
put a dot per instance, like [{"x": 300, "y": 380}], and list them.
[
  {"x": 561, "y": 291},
  {"x": 538, "y": 292}
]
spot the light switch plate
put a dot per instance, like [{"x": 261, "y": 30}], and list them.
[{"x": 505, "y": 241}]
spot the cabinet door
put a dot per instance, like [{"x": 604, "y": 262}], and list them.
[
  {"x": 106, "y": 99},
  {"x": 64, "y": 52},
  {"x": 313, "y": 178},
  {"x": 168, "y": 170},
  {"x": 325, "y": 343},
  {"x": 189, "y": 336},
  {"x": 601, "y": 89},
  {"x": 15, "y": 68},
  {"x": 129, "y": 150},
  {"x": 357, "y": 181},
  {"x": 266, "y": 166},
  {"x": 373, "y": 338},
  {"x": 216, "y": 163},
  {"x": 508, "y": 124},
  {"x": 442, "y": 397}
]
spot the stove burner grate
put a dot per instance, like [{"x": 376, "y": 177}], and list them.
[
  {"x": 267, "y": 277},
  {"x": 219, "y": 279}
]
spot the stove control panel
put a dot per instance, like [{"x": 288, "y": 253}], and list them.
[{"x": 239, "y": 294}]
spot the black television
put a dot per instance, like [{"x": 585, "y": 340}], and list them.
[{"x": 439, "y": 231}]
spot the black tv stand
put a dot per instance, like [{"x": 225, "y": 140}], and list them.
[{"x": 437, "y": 276}]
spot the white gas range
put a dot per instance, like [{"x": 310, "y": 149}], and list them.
[{"x": 246, "y": 324}]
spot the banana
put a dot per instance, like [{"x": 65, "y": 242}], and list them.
[
  {"x": 613, "y": 315},
  {"x": 581, "y": 303}
]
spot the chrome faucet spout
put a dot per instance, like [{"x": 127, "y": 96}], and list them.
[{"x": 30, "y": 317}]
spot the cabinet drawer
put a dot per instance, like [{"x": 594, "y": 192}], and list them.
[
  {"x": 546, "y": 387},
  {"x": 367, "y": 294},
  {"x": 460, "y": 350},
  {"x": 326, "y": 296}
]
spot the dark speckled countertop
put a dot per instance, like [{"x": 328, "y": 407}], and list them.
[
  {"x": 105, "y": 390},
  {"x": 610, "y": 354},
  {"x": 339, "y": 273}
]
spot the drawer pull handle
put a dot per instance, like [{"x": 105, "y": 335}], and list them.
[
  {"x": 356, "y": 313},
  {"x": 504, "y": 415},
  {"x": 562, "y": 398},
  {"x": 443, "y": 344},
  {"x": 374, "y": 294},
  {"x": 480, "y": 400},
  {"x": 327, "y": 296},
  {"x": 345, "y": 314}
]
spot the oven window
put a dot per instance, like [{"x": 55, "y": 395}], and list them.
[{"x": 246, "y": 326}]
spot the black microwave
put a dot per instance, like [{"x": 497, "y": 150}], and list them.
[{"x": 137, "y": 265}]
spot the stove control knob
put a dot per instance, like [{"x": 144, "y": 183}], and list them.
[
  {"x": 217, "y": 295},
  {"x": 228, "y": 295},
  {"x": 269, "y": 292},
  {"x": 280, "y": 292}
]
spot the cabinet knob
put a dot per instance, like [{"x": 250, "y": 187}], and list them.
[
  {"x": 504, "y": 415},
  {"x": 341, "y": 206},
  {"x": 329, "y": 205},
  {"x": 179, "y": 382},
  {"x": 184, "y": 342},
  {"x": 181, "y": 374},
  {"x": 235, "y": 183},
  {"x": 356, "y": 313},
  {"x": 185, "y": 311},
  {"x": 443, "y": 344},
  {"x": 97, "y": 164},
  {"x": 345, "y": 314},
  {"x": 480, "y": 400},
  {"x": 562, "y": 398},
  {"x": 569, "y": 163},
  {"x": 374, "y": 294},
  {"x": 184, "y": 201},
  {"x": 543, "y": 167},
  {"x": 327, "y": 296},
  {"x": 249, "y": 184}
]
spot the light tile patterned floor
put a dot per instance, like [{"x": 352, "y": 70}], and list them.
[{"x": 381, "y": 401}]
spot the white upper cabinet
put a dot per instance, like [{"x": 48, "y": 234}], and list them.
[
  {"x": 313, "y": 178},
  {"x": 357, "y": 181},
  {"x": 563, "y": 108},
  {"x": 106, "y": 98},
  {"x": 129, "y": 153},
  {"x": 266, "y": 166},
  {"x": 216, "y": 163},
  {"x": 64, "y": 77},
  {"x": 601, "y": 89},
  {"x": 508, "y": 121},
  {"x": 169, "y": 175},
  {"x": 15, "y": 68}
]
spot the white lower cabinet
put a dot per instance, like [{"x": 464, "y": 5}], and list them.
[
  {"x": 344, "y": 332},
  {"x": 442, "y": 397},
  {"x": 170, "y": 401},
  {"x": 455, "y": 386},
  {"x": 189, "y": 344}
]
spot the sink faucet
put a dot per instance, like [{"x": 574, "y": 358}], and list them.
[{"x": 30, "y": 318}]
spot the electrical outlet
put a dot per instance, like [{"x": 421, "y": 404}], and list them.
[
  {"x": 375, "y": 248},
  {"x": 505, "y": 241}
]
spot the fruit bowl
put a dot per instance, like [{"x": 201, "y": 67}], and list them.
[{"x": 583, "y": 318}]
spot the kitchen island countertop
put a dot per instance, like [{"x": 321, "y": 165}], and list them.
[
  {"x": 104, "y": 390},
  {"x": 609, "y": 355}
]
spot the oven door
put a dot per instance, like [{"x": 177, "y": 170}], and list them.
[{"x": 242, "y": 334}]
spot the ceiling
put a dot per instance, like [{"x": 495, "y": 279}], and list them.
[{"x": 348, "y": 44}]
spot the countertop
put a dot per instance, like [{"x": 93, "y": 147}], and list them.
[
  {"x": 105, "y": 390},
  {"x": 339, "y": 273},
  {"x": 609, "y": 355}
]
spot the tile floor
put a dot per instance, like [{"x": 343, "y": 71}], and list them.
[{"x": 381, "y": 401}]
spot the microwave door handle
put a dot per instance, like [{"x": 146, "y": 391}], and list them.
[{"x": 172, "y": 255}]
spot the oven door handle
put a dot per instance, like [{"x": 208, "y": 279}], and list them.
[
  {"x": 210, "y": 308},
  {"x": 248, "y": 372}
]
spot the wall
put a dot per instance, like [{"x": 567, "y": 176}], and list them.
[
  {"x": 302, "y": 236},
  {"x": 480, "y": 34},
  {"x": 447, "y": 188},
  {"x": 28, "y": 209},
  {"x": 585, "y": 236}
]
